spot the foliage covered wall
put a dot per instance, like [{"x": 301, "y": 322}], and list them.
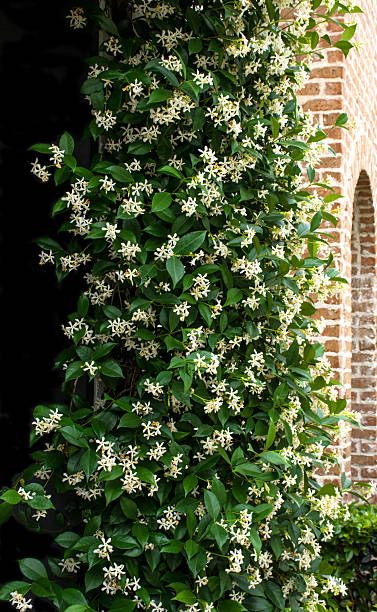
[{"x": 179, "y": 472}]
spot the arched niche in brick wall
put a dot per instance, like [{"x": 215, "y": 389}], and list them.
[{"x": 364, "y": 332}]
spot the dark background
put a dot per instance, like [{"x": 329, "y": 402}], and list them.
[{"x": 41, "y": 63}]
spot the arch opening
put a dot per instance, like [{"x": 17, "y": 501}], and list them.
[{"x": 364, "y": 332}]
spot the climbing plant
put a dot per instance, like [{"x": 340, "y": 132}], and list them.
[{"x": 179, "y": 472}]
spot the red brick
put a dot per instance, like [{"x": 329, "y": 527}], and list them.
[
  {"x": 323, "y": 104},
  {"x": 333, "y": 89},
  {"x": 328, "y": 72}
]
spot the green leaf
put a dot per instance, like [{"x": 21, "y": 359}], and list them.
[
  {"x": 271, "y": 10},
  {"x": 205, "y": 312},
  {"x": 67, "y": 539},
  {"x": 273, "y": 457},
  {"x": 16, "y": 585},
  {"x": 145, "y": 475},
  {"x": 172, "y": 547},
  {"x": 124, "y": 605},
  {"x": 176, "y": 269},
  {"x": 6, "y": 511},
  {"x": 233, "y": 296},
  {"x": 70, "y": 161},
  {"x": 67, "y": 143},
  {"x": 246, "y": 194},
  {"x": 220, "y": 534},
  {"x": 88, "y": 462},
  {"x": 316, "y": 221},
  {"x": 314, "y": 39},
  {"x": 159, "y": 95},
  {"x": 141, "y": 533},
  {"x": 170, "y": 171},
  {"x": 74, "y": 435},
  {"x": 212, "y": 504},
  {"x": 275, "y": 595},
  {"x": 260, "y": 604},
  {"x": 161, "y": 201},
  {"x": 93, "y": 578},
  {"x": 341, "y": 120},
  {"x": 155, "y": 66},
  {"x": 74, "y": 596},
  {"x": 124, "y": 542},
  {"x": 186, "y": 597},
  {"x": 230, "y": 606},
  {"x": 311, "y": 173},
  {"x": 189, "y": 483},
  {"x": 33, "y": 569},
  {"x": 61, "y": 175},
  {"x": 113, "y": 474},
  {"x": 41, "y": 147},
  {"x": 112, "y": 369},
  {"x": 191, "y": 548},
  {"x": 11, "y": 497},
  {"x": 219, "y": 490},
  {"x": 139, "y": 148},
  {"x": 344, "y": 45},
  {"x": 112, "y": 312},
  {"x": 255, "y": 540},
  {"x": 91, "y": 86},
  {"x": 195, "y": 45},
  {"x": 277, "y": 546},
  {"x": 130, "y": 420},
  {"x": 113, "y": 490},
  {"x": 247, "y": 469},
  {"x": 120, "y": 174},
  {"x": 271, "y": 434},
  {"x": 129, "y": 508},
  {"x": 348, "y": 31},
  {"x": 164, "y": 377},
  {"x": 189, "y": 243},
  {"x": 275, "y": 127},
  {"x": 40, "y": 502},
  {"x": 58, "y": 207},
  {"x": 74, "y": 371},
  {"x": 280, "y": 393},
  {"x": 83, "y": 305}
]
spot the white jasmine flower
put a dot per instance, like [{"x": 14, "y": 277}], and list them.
[
  {"x": 26, "y": 495},
  {"x": 128, "y": 250},
  {"x": 57, "y": 155},
  {"x": 20, "y": 602},
  {"x": 40, "y": 171},
  {"x": 111, "y": 232},
  {"x": 77, "y": 19},
  {"x": 151, "y": 429},
  {"x": 201, "y": 286},
  {"x": 90, "y": 367},
  {"x": 105, "y": 119},
  {"x": 170, "y": 519},
  {"x": 182, "y": 310},
  {"x": 107, "y": 184},
  {"x": 46, "y": 257},
  {"x": 104, "y": 549},
  {"x": 112, "y": 45},
  {"x": 201, "y": 79}
]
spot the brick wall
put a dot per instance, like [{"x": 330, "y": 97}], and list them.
[{"x": 350, "y": 85}]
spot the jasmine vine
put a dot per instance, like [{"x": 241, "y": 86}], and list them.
[{"x": 181, "y": 476}]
